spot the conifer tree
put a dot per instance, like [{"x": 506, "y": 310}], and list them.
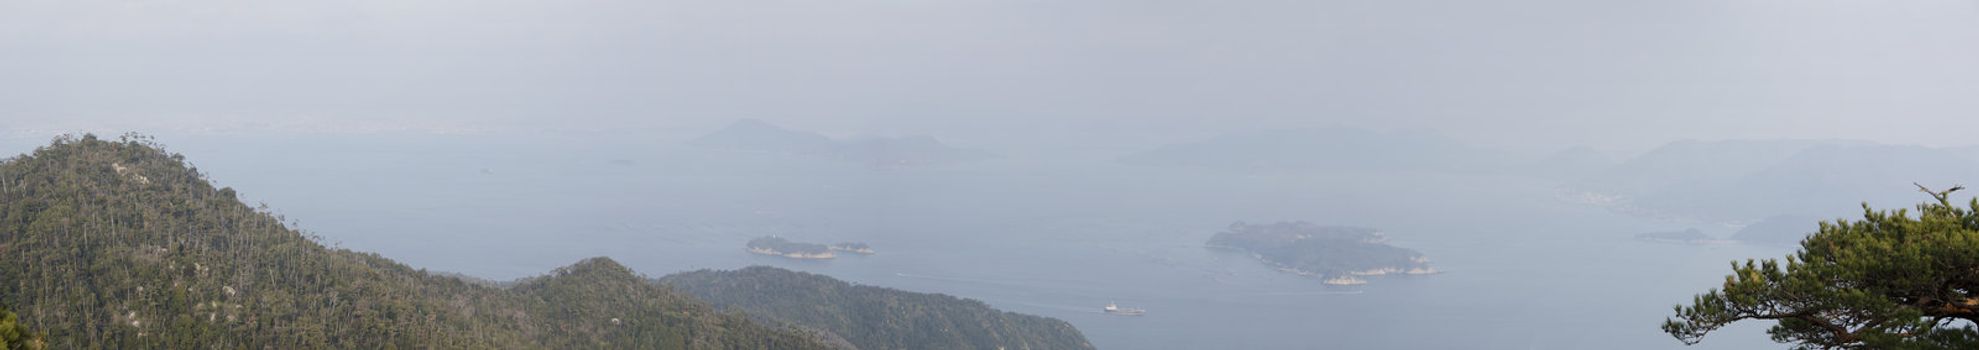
[
  {"x": 16, "y": 336},
  {"x": 1891, "y": 280}
]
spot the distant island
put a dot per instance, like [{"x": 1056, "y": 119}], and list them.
[
  {"x": 853, "y": 247},
  {"x": 785, "y": 248},
  {"x": 1736, "y": 182},
  {"x": 1341, "y": 255},
  {"x": 1331, "y": 149},
  {"x": 758, "y": 136},
  {"x": 1778, "y": 230},
  {"x": 1688, "y": 236}
]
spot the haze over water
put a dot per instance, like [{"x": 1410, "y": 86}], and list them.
[
  {"x": 1053, "y": 237},
  {"x": 505, "y": 138}
]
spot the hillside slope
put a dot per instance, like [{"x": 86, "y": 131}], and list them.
[
  {"x": 16, "y": 336},
  {"x": 119, "y": 244},
  {"x": 875, "y": 318}
]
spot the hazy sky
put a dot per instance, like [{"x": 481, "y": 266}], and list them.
[{"x": 1518, "y": 73}]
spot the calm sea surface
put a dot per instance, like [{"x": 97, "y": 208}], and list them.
[{"x": 1059, "y": 238}]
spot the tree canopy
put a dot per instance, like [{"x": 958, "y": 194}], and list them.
[
  {"x": 119, "y": 244},
  {"x": 874, "y": 318},
  {"x": 1891, "y": 280},
  {"x": 16, "y": 336}
]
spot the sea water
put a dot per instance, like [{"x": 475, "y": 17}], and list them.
[{"x": 1059, "y": 238}]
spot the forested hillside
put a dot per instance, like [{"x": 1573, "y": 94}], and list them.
[
  {"x": 1307, "y": 248},
  {"x": 875, "y": 318},
  {"x": 119, "y": 244},
  {"x": 14, "y": 335}
]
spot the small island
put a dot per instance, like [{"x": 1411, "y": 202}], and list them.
[
  {"x": 1340, "y": 255},
  {"x": 1344, "y": 281},
  {"x": 778, "y": 246},
  {"x": 853, "y": 247},
  {"x": 1689, "y": 236}
]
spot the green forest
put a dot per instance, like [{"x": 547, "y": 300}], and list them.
[
  {"x": 120, "y": 244},
  {"x": 1328, "y": 250},
  {"x": 16, "y": 336},
  {"x": 873, "y": 317}
]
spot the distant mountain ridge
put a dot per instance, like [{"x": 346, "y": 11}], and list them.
[
  {"x": 1692, "y": 161},
  {"x": 1328, "y": 149},
  {"x": 1782, "y": 230},
  {"x": 759, "y": 136},
  {"x": 1742, "y": 181},
  {"x": 1571, "y": 164}
]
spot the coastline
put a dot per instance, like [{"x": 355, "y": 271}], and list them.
[{"x": 793, "y": 255}]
